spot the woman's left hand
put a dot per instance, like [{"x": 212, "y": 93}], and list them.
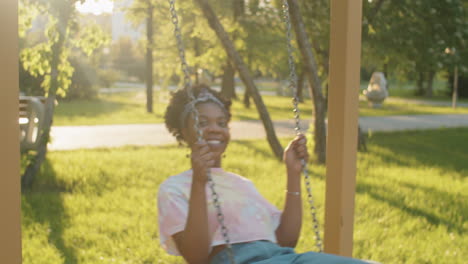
[{"x": 294, "y": 153}]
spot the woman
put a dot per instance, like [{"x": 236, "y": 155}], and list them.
[{"x": 259, "y": 232}]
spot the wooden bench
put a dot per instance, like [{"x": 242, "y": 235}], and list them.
[{"x": 31, "y": 121}]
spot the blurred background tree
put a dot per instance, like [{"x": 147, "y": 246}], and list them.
[
  {"x": 408, "y": 38},
  {"x": 46, "y": 57}
]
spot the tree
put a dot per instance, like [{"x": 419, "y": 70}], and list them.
[
  {"x": 128, "y": 59},
  {"x": 313, "y": 39},
  {"x": 244, "y": 75},
  {"x": 400, "y": 38},
  {"x": 62, "y": 11},
  {"x": 49, "y": 59},
  {"x": 142, "y": 11},
  {"x": 228, "y": 85},
  {"x": 311, "y": 69},
  {"x": 149, "y": 58}
]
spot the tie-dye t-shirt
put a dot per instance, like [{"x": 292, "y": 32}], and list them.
[{"x": 248, "y": 216}]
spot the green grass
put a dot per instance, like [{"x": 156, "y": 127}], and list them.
[
  {"x": 118, "y": 108},
  {"x": 402, "y": 108},
  {"x": 129, "y": 108},
  {"x": 99, "y": 206}
]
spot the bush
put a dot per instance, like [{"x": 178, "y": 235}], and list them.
[
  {"x": 28, "y": 84},
  {"x": 84, "y": 80},
  {"x": 107, "y": 77}
]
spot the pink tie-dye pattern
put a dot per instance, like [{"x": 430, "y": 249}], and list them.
[{"x": 248, "y": 216}]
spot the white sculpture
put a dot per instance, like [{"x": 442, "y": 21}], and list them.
[{"x": 376, "y": 91}]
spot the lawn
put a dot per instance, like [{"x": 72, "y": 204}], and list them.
[
  {"x": 129, "y": 108},
  {"x": 99, "y": 206}
]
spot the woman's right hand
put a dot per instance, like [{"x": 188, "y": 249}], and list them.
[{"x": 202, "y": 160}]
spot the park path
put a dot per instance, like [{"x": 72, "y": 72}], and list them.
[{"x": 77, "y": 137}]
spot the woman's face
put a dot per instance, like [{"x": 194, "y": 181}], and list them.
[{"x": 213, "y": 122}]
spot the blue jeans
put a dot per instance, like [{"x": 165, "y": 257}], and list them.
[{"x": 265, "y": 252}]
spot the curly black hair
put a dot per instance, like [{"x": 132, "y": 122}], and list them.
[{"x": 179, "y": 100}]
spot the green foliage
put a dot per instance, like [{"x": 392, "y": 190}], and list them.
[
  {"x": 107, "y": 77},
  {"x": 36, "y": 57},
  {"x": 29, "y": 84},
  {"x": 316, "y": 17},
  {"x": 90, "y": 38},
  {"x": 99, "y": 206},
  {"x": 84, "y": 80},
  {"x": 128, "y": 59},
  {"x": 400, "y": 35},
  {"x": 258, "y": 35},
  {"x": 264, "y": 35},
  {"x": 27, "y": 11}
]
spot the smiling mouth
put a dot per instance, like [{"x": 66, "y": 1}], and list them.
[{"x": 213, "y": 142}]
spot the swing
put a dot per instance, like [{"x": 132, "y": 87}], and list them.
[{"x": 292, "y": 86}]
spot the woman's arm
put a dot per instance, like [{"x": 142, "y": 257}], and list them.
[
  {"x": 194, "y": 242},
  {"x": 289, "y": 229}
]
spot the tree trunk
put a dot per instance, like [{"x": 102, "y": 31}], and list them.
[
  {"x": 314, "y": 80},
  {"x": 57, "y": 49},
  {"x": 228, "y": 84},
  {"x": 244, "y": 75},
  {"x": 420, "y": 84},
  {"x": 239, "y": 8},
  {"x": 385, "y": 72},
  {"x": 362, "y": 141},
  {"x": 325, "y": 57},
  {"x": 300, "y": 85},
  {"x": 149, "y": 60},
  {"x": 455, "y": 88},
  {"x": 430, "y": 81},
  {"x": 246, "y": 98}
]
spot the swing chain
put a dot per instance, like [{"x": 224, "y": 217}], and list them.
[
  {"x": 293, "y": 87},
  {"x": 188, "y": 86},
  {"x": 220, "y": 217},
  {"x": 181, "y": 49}
]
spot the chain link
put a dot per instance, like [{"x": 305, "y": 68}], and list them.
[
  {"x": 188, "y": 87},
  {"x": 181, "y": 49},
  {"x": 293, "y": 87}
]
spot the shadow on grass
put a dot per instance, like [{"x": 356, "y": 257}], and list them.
[
  {"x": 43, "y": 204},
  {"x": 432, "y": 196},
  {"x": 442, "y": 148}
]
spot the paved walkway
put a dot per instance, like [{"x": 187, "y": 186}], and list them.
[{"x": 75, "y": 137}]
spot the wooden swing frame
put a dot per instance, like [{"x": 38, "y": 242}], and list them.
[{"x": 345, "y": 50}]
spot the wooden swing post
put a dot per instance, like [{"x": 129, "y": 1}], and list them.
[
  {"x": 10, "y": 200},
  {"x": 343, "y": 99}
]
